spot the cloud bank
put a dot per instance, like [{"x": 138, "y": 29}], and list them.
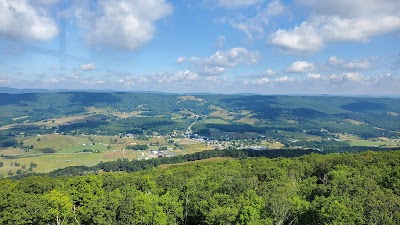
[
  {"x": 21, "y": 20},
  {"x": 337, "y": 21}
]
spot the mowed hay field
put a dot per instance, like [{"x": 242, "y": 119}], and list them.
[
  {"x": 52, "y": 161},
  {"x": 73, "y": 144},
  {"x": 68, "y": 151},
  {"x": 377, "y": 142},
  {"x": 54, "y": 141},
  {"x": 191, "y": 146},
  {"x": 55, "y": 121}
]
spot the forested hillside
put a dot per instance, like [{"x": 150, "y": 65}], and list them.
[
  {"x": 217, "y": 114},
  {"x": 362, "y": 188}
]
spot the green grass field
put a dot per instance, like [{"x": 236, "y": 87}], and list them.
[
  {"x": 190, "y": 146},
  {"x": 357, "y": 141},
  {"x": 49, "y": 162},
  {"x": 274, "y": 145},
  {"x": 298, "y": 135},
  {"x": 214, "y": 121},
  {"x": 69, "y": 151},
  {"x": 248, "y": 120},
  {"x": 374, "y": 143}
]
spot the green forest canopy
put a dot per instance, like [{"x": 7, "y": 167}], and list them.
[{"x": 362, "y": 188}]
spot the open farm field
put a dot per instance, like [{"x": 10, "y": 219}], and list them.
[
  {"x": 355, "y": 122},
  {"x": 215, "y": 121},
  {"x": 52, "y": 122},
  {"x": 220, "y": 113},
  {"x": 379, "y": 143},
  {"x": 188, "y": 146},
  {"x": 87, "y": 150},
  {"x": 354, "y": 140},
  {"x": 298, "y": 135},
  {"x": 51, "y": 161},
  {"x": 113, "y": 112},
  {"x": 248, "y": 120},
  {"x": 273, "y": 145}
]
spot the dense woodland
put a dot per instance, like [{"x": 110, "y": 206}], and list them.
[
  {"x": 362, "y": 188},
  {"x": 138, "y": 165}
]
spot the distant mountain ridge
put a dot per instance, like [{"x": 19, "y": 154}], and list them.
[{"x": 11, "y": 90}]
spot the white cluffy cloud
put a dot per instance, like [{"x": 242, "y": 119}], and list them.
[
  {"x": 20, "y": 20},
  {"x": 160, "y": 78},
  {"x": 183, "y": 76},
  {"x": 300, "y": 67},
  {"x": 261, "y": 81},
  {"x": 284, "y": 79},
  {"x": 256, "y": 24},
  {"x": 359, "y": 64},
  {"x": 180, "y": 60},
  {"x": 347, "y": 77},
  {"x": 122, "y": 24},
  {"x": 341, "y": 20},
  {"x": 216, "y": 64},
  {"x": 334, "y": 61},
  {"x": 314, "y": 76},
  {"x": 270, "y": 72},
  {"x": 88, "y": 67}
]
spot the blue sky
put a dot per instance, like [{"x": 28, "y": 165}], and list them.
[{"x": 337, "y": 47}]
